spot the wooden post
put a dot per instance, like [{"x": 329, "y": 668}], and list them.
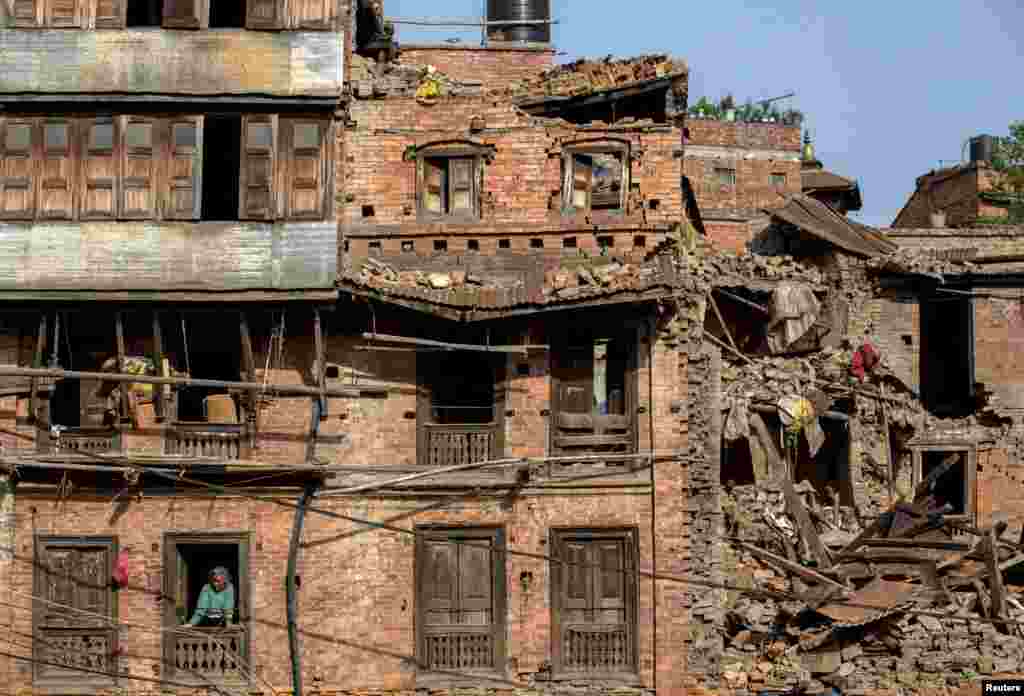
[
  {"x": 37, "y": 362},
  {"x": 995, "y": 575},
  {"x": 321, "y": 362},
  {"x": 158, "y": 351},
  {"x": 119, "y": 328},
  {"x": 888, "y": 446},
  {"x": 249, "y": 362}
]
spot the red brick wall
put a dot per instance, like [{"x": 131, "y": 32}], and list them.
[
  {"x": 518, "y": 184},
  {"x": 728, "y": 236},
  {"x": 494, "y": 66},
  {"x": 764, "y": 136}
]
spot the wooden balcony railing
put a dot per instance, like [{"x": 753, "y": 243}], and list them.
[
  {"x": 597, "y": 649},
  {"x": 80, "y": 441},
  {"x": 210, "y": 653},
  {"x": 451, "y": 445},
  {"x": 214, "y": 440},
  {"x": 459, "y": 650}
]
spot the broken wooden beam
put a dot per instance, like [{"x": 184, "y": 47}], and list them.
[
  {"x": 721, "y": 321},
  {"x": 742, "y": 300},
  {"x": 119, "y": 335},
  {"x": 37, "y": 362},
  {"x": 995, "y": 577},
  {"x": 158, "y": 352},
  {"x": 789, "y": 566},
  {"x": 803, "y": 522}
]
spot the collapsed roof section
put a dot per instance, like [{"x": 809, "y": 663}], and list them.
[{"x": 818, "y": 220}]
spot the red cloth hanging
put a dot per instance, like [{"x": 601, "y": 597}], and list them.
[
  {"x": 865, "y": 359},
  {"x": 121, "y": 569}
]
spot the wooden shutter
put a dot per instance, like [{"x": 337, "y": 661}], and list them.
[
  {"x": 64, "y": 13},
  {"x": 257, "y": 193},
  {"x": 57, "y": 171},
  {"x": 440, "y": 573},
  {"x": 99, "y": 169},
  {"x": 304, "y": 148},
  {"x": 609, "y": 583},
  {"x": 583, "y": 174},
  {"x": 111, "y": 14},
  {"x": 184, "y": 14},
  {"x": 139, "y": 160},
  {"x": 576, "y": 582},
  {"x": 433, "y": 186},
  {"x": 184, "y": 188},
  {"x": 265, "y": 14},
  {"x": 460, "y": 186},
  {"x": 27, "y": 13},
  {"x": 475, "y": 582},
  {"x": 17, "y": 168},
  {"x": 311, "y": 14}
]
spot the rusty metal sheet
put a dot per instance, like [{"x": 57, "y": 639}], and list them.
[{"x": 870, "y": 603}]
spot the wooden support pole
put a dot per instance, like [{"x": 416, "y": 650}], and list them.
[
  {"x": 721, "y": 320},
  {"x": 119, "y": 328},
  {"x": 803, "y": 522},
  {"x": 452, "y": 346},
  {"x": 37, "y": 363},
  {"x": 158, "y": 352},
  {"x": 789, "y": 566},
  {"x": 741, "y": 300},
  {"x": 275, "y": 389},
  {"x": 995, "y": 576},
  {"x": 321, "y": 361},
  {"x": 249, "y": 363}
]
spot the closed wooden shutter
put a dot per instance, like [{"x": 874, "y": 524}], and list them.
[
  {"x": 111, "y": 14},
  {"x": 433, "y": 186},
  {"x": 475, "y": 582},
  {"x": 583, "y": 172},
  {"x": 139, "y": 163},
  {"x": 57, "y": 171},
  {"x": 440, "y": 574},
  {"x": 257, "y": 192},
  {"x": 64, "y": 13},
  {"x": 17, "y": 168},
  {"x": 184, "y": 14},
  {"x": 27, "y": 13},
  {"x": 311, "y": 14},
  {"x": 184, "y": 180},
  {"x": 99, "y": 169},
  {"x": 460, "y": 186},
  {"x": 305, "y": 168},
  {"x": 264, "y": 14},
  {"x": 73, "y": 618}
]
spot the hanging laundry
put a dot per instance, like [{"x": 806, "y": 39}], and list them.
[
  {"x": 794, "y": 309},
  {"x": 865, "y": 360}
]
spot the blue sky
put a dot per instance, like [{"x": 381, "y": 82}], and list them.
[{"x": 889, "y": 88}]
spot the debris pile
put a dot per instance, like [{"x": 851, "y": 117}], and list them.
[
  {"x": 370, "y": 80},
  {"x": 916, "y": 600},
  {"x": 587, "y": 76},
  {"x": 723, "y": 268},
  {"x": 920, "y": 262}
]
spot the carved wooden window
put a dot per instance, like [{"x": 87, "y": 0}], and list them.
[
  {"x": 265, "y": 14},
  {"x": 311, "y": 14},
  {"x": 594, "y": 394},
  {"x": 460, "y": 599},
  {"x": 185, "y": 14},
  {"x": 18, "y": 138},
  {"x": 184, "y": 181},
  {"x": 205, "y": 653},
  {"x": 140, "y": 157},
  {"x": 595, "y": 178},
  {"x": 50, "y": 14},
  {"x": 99, "y": 170},
  {"x": 57, "y": 175},
  {"x": 448, "y": 182},
  {"x": 304, "y": 165},
  {"x": 594, "y": 593},
  {"x": 258, "y": 193},
  {"x": 111, "y": 14},
  {"x": 75, "y": 616}
]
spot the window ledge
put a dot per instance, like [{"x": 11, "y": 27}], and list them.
[
  {"x": 627, "y": 679},
  {"x": 72, "y": 688},
  {"x": 449, "y": 680}
]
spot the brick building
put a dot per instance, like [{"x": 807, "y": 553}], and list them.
[{"x": 957, "y": 196}]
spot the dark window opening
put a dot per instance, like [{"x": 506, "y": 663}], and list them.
[
  {"x": 596, "y": 181},
  {"x": 655, "y": 203},
  {"x": 908, "y": 339},
  {"x": 461, "y": 387},
  {"x": 408, "y": 246},
  {"x": 536, "y": 243},
  {"x": 368, "y": 211},
  {"x": 640, "y": 241},
  {"x": 214, "y": 353},
  {"x": 569, "y": 243},
  {"x": 144, "y": 13},
  {"x": 195, "y": 561},
  {"x": 346, "y": 245},
  {"x": 227, "y": 14},
  {"x": 605, "y": 242},
  {"x": 65, "y": 403},
  {"x": 828, "y": 467},
  {"x": 222, "y": 153},
  {"x": 951, "y": 487},
  {"x": 737, "y": 463},
  {"x": 440, "y": 245},
  {"x": 947, "y": 356},
  {"x": 473, "y": 245},
  {"x": 374, "y": 247},
  {"x": 504, "y": 243}
]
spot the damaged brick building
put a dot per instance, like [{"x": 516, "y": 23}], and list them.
[{"x": 470, "y": 370}]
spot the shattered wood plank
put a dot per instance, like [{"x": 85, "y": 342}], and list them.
[
  {"x": 803, "y": 521},
  {"x": 867, "y": 533},
  {"x": 983, "y": 599},
  {"x": 917, "y": 543},
  {"x": 935, "y": 474},
  {"x": 789, "y": 566},
  {"x": 124, "y": 388},
  {"x": 995, "y": 576},
  {"x": 870, "y": 603},
  {"x": 768, "y": 445},
  {"x": 721, "y": 321}
]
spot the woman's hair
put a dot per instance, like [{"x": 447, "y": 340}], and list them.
[{"x": 221, "y": 570}]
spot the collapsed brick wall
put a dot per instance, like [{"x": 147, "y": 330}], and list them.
[
  {"x": 495, "y": 65},
  {"x": 953, "y": 192}
]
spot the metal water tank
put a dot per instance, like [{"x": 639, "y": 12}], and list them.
[
  {"x": 982, "y": 148},
  {"x": 519, "y": 10}
]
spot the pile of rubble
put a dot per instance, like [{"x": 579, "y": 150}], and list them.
[
  {"x": 725, "y": 268},
  {"x": 920, "y": 262},
  {"x": 374, "y": 272},
  {"x": 916, "y": 600},
  {"x": 587, "y": 76},
  {"x": 370, "y": 79}
]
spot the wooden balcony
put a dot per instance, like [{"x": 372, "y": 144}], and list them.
[
  {"x": 80, "y": 441},
  {"x": 210, "y": 653},
  {"x": 596, "y": 648},
  {"x": 213, "y": 440},
  {"x": 451, "y": 445}
]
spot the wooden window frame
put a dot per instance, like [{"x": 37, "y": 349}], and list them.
[
  {"x": 478, "y": 153},
  {"x": 630, "y": 536},
  {"x": 562, "y": 445},
  {"x": 34, "y": 153},
  {"x": 569, "y": 154},
  {"x": 87, "y": 16},
  {"x": 496, "y": 534},
  {"x": 80, "y": 681},
  {"x": 243, "y": 593},
  {"x": 719, "y": 173},
  {"x": 970, "y": 451},
  {"x": 778, "y": 179}
]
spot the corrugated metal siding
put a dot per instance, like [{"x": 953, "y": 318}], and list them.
[
  {"x": 171, "y": 62},
  {"x": 168, "y": 256}
]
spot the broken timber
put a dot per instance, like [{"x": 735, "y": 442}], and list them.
[{"x": 789, "y": 566}]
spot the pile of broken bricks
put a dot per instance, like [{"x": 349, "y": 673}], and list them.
[{"x": 917, "y": 600}]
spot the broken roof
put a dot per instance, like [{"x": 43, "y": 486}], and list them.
[
  {"x": 585, "y": 77},
  {"x": 819, "y": 220}
]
